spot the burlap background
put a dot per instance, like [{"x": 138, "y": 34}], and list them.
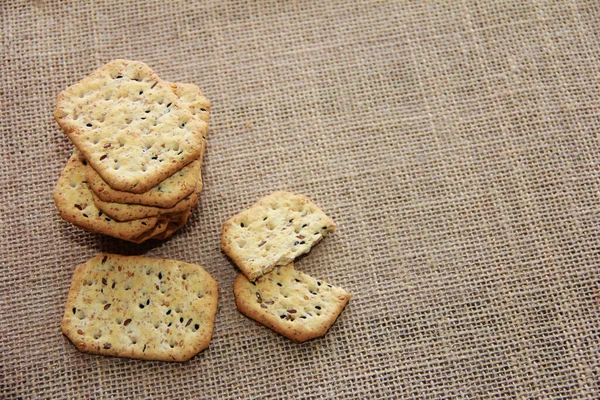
[{"x": 455, "y": 144}]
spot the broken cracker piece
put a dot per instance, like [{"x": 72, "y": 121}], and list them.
[
  {"x": 290, "y": 302},
  {"x": 274, "y": 231}
]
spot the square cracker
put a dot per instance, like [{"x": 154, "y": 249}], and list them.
[
  {"x": 290, "y": 302},
  {"x": 274, "y": 231},
  {"x": 130, "y": 125},
  {"x": 75, "y": 204},
  {"x": 176, "y": 187},
  {"x": 128, "y": 212},
  {"x": 140, "y": 307}
]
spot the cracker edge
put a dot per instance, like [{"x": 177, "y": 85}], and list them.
[
  {"x": 150, "y": 211},
  {"x": 98, "y": 185},
  {"x": 68, "y": 216}
]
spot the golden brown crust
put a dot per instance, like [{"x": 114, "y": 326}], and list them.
[
  {"x": 174, "y": 225},
  {"x": 193, "y": 98},
  {"x": 176, "y": 187},
  {"x": 161, "y": 226}
]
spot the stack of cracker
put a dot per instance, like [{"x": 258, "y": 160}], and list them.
[
  {"x": 263, "y": 242},
  {"x": 135, "y": 173}
]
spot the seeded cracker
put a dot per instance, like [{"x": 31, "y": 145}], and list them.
[
  {"x": 274, "y": 231},
  {"x": 139, "y": 307},
  {"x": 176, "y": 187},
  {"x": 130, "y": 126},
  {"x": 128, "y": 212},
  {"x": 290, "y": 302},
  {"x": 75, "y": 204}
]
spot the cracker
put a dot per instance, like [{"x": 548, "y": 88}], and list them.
[
  {"x": 75, "y": 204},
  {"x": 166, "y": 194},
  {"x": 176, "y": 187},
  {"x": 274, "y": 231},
  {"x": 130, "y": 126},
  {"x": 139, "y": 307},
  {"x": 128, "y": 212},
  {"x": 290, "y": 302}
]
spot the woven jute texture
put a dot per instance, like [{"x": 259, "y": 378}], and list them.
[{"x": 454, "y": 143}]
